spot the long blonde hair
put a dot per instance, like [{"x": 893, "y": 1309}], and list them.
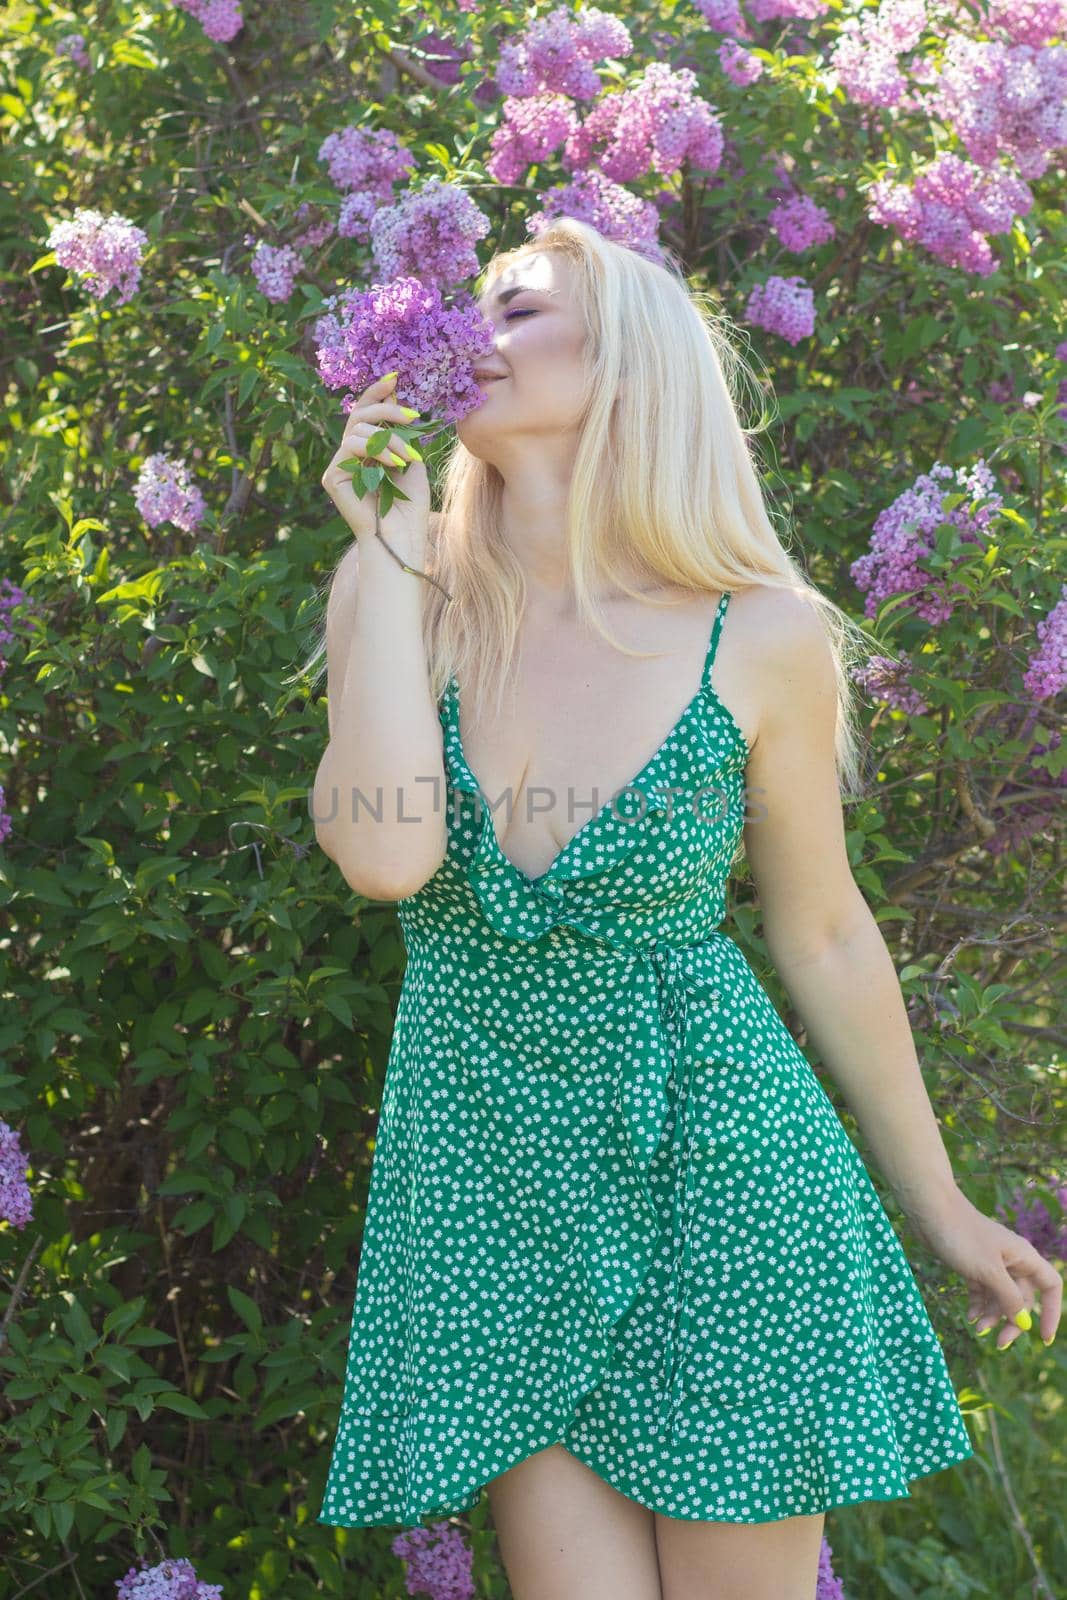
[{"x": 663, "y": 479}]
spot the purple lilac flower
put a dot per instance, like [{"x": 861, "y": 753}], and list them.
[
  {"x": 865, "y": 52},
  {"x": 532, "y": 130},
  {"x": 368, "y": 159},
  {"x": 220, "y": 19},
  {"x": 724, "y": 16},
  {"x": 607, "y": 207},
  {"x": 1027, "y": 21},
  {"x": 653, "y": 126},
  {"x": 430, "y": 233},
  {"x": 800, "y": 224},
  {"x": 16, "y": 1202},
  {"x": 904, "y": 534},
  {"x": 438, "y": 1560},
  {"x": 950, "y": 208},
  {"x": 1047, "y": 673},
  {"x": 785, "y": 306},
  {"x": 1033, "y": 1221},
  {"x": 73, "y": 45},
  {"x": 169, "y": 1580},
  {"x": 104, "y": 251},
  {"x": 770, "y": 10},
  {"x": 165, "y": 492},
  {"x": 555, "y": 54},
  {"x": 357, "y": 213},
  {"x": 739, "y": 64},
  {"x": 316, "y": 232},
  {"x": 11, "y": 597},
  {"x": 887, "y": 680},
  {"x": 1004, "y": 99},
  {"x": 5, "y": 816},
  {"x": 827, "y": 1585},
  {"x": 275, "y": 268},
  {"x": 404, "y": 326}
]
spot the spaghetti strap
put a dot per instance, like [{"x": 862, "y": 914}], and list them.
[{"x": 716, "y": 629}]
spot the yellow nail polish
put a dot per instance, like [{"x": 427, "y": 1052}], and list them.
[
  {"x": 386, "y": 376},
  {"x": 416, "y": 455},
  {"x": 981, "y": 1333},
  {"x": 409, "y": 411},
  {"x": 395, "y": 460},
  {"x": 1023, "y": 1320},
  {"x": 1047, "y": 1342}
]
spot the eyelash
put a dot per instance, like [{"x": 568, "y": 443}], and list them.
[{"x": 527, "y": 313}]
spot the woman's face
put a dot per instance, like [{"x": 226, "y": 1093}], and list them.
[{"x": 539, "y": 354}]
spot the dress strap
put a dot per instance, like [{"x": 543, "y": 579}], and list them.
[{"x": 716, "y": 629}]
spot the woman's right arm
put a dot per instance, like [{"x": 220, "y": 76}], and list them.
[{"x": 379, "y": 793}]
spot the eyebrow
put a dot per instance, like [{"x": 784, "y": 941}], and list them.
[{"x": 509, "y": 294}]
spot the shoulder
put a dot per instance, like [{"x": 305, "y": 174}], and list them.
[{"x": 783, "y": 637}]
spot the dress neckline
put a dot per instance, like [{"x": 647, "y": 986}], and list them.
[{"x": 704, "y": 692}]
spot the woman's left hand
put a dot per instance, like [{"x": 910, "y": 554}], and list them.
[{"x": 1003, "y": 1271}]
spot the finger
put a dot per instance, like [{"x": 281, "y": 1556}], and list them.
[
  {"x": 395, "y": 450},
  {"x": 379, "y": 388},
  {"x": 1014, "y": 1296},
  {"x": 1049, "y": 1286}
]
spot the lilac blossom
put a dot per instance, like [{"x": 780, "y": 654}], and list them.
[
  {"x": 316, "y": 232},
  {"x": 1047, "y": 673},
  {"x": 887, "y": 680},
  {"x": 16, "y": 1202},
  {"x": 430, "y": 233},
  {"x": 950, "y": 208},
  {"x": 11, "y": 597},
  {"x": 105, "y": 251},
  {"x": 438, "y": 1560},
  {"x": 800, "y": 224},
  {"x": 404, "y": 326},
  {"x": 739, "y": 64},
  {"x": 5, "y": 816},
  {"x": 724, "y": 16},
  {"x": 221, "y": 20},
  {"x": 165, "y": 492},
  {"x": 864, "y": 57},
  {"x": 555, "y": 54},
  {"x": 1004, "y": 99},
  {"x": 357, "y": 213},
  {"x": 1032, "y": 1220},
  {"x": 532, "y": 130},
  {"x": 275, "y": 268},
  {"x": 653, "y": 126},
  {"x": 170, "y": 1580},
  {"x": 608, "y": 207},
  {"x": 73, "y": 45},
  {"x": 785, "y": 306},
  {"x": 1027, "y": 21},
  {"x": 904, "y": 537},
  {"x": 367, "y": 159},
  {"x": 827, "y": 1585},
  {"x": 770, "y": 10}
]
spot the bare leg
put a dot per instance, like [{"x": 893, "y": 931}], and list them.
[
  {"x": 565, "y": 1534},
  {"x": 739, "y": 1561}
]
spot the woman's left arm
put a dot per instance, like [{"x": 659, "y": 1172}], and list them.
[{"x": 830, "y": 954}]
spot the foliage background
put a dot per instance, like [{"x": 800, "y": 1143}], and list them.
[{"x": 197, "y": 1011}]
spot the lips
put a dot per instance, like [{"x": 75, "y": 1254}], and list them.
[{"x": 488, "y": 377}]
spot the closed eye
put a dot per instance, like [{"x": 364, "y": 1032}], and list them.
[{"x": 528, "y": 313}]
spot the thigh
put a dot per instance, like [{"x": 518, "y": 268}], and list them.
[
  {"x": 739, "y": 1560},
  {"x": 564, "y": 1532}
]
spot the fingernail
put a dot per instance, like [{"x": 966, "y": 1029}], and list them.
[
  {"x": 416, "y": 455},
  {"x": 1047, "y": 1342},
  {"x": 409, "y": 411},
  {"x": 1022, "y": 1319},
  {"x": 981, "y": 1332},
  {"x": 386, "y": 376},
  {"x": 398, "y": 461},
  {"x": 1004, "y": 1346}
]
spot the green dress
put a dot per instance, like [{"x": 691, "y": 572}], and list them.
[{"x": 611, "y": 1205}]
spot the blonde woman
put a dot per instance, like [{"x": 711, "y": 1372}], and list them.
[{"x": 622, "y": 1265}]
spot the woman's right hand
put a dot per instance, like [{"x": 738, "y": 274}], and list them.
[{"x": 406, "y": 524}]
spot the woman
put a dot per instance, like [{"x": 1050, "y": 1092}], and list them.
[{"x": 621, "y": 1263}]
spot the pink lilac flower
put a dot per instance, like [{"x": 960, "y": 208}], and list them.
[
  {"x": 724, "y": 16},
  {"x": 608, "y": 207},
  {"x": 368, "y": 159},
  {"x": 430, "y": 233},
  {"x": 555, "y": 54},
  {"x": 73, "y": 45},
  {"x": 165, "y": 492},
  {"x": 904, "y": 537},
  {"x": 1004, "y": 99},
  {"x": 800, "y": 224},
  {"x": 827, "y": 1585},
  {"x": 1033, "y": 1221},
  {"x": 220, "y": 19},
  {"x": 169, "y": 1580},
  {"x": 1047, "y": 673},
  {"x": 439, "y": 1561},
  {"x": 357, "y": 213},
  {"x": 770, "y": 10},
  {"x": 105, "y": 251},
  {"x": 532, "y": 130},
  {"x": 275, "y": 268},
  {"x": 404, "y": 326},
  {"x": 864, "y": 56},
  {"x": 950, "y": 208},
  {"x": 1028, "y": 21},
  {"x": 16, "y": 1202},
  {"x": 653, "y": 126},
  {"x": 887, "y": 680},
  {"x": 785, "y": 306},
  {"x": 739, "y": 64}
]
